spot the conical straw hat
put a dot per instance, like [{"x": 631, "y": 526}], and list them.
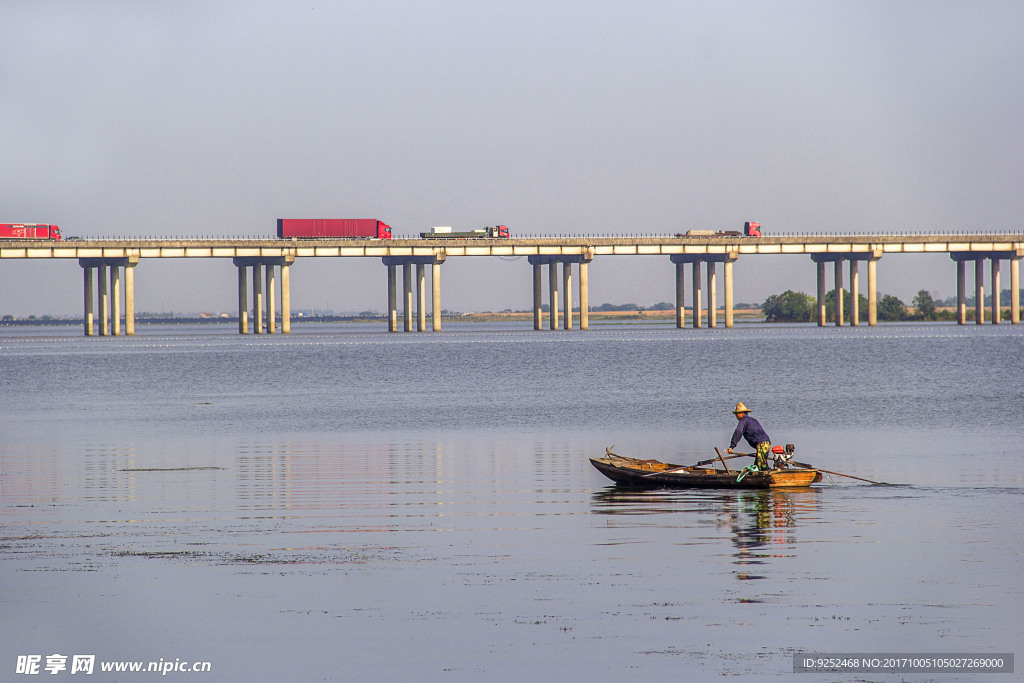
[{"x": 740, "y": 408}]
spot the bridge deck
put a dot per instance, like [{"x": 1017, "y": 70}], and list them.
[{"x": 874, "y": 245}]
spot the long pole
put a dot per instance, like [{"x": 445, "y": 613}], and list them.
[
  {"x": 838, "y": 474},
  {"x": 720, "y": 453}
]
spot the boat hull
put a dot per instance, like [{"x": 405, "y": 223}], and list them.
[{"x": 655, "y": 474}]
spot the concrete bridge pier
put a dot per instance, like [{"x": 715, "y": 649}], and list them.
[
  {"x": 996, "y": 310},
  {"x": 979, "y": 291},
  {"x": 286, "y": 298},
  {"x": 854, "y": 294},
  {"x": 821, "y": 293},
  {"x": 697, "y": 313},
  {"x": 961, "y": 292},
  {"x": 1015, "y": 288},
  {"x": 837, "y": 261},
  {"x": 837, "y": 278},
  {"x": 712, "y": 296},
  {"x": 392, "y": 299},
  {"x": 103, "y": 300},
  {"x": 243, "y": 301},
  {"x": 435, "y": 300},
  {"x": 271, "y": 303},
  {"x": 553, "y": 291},
  {"x": 584, "y": 295},
  {"x": 680, "y": 295},
  {"x": 695, "y": 261},
  {"x": 108, "y": 298},
  {"x": 414, "y": 281},
  {"x": 873, "y": 289},
  {"x": 264, "y": 302},
  {"x": 257, "y": 298},
  {"x": 407, "y": 296},
  {"x": 961, "y": 258},
  {"x": 129, "y": 298},
  {"x": 567, "y": 293},
  {"x": 115, "y": 300},
  {"x": 538, "y": 294},
  {"x": 421, "y": 298},
  {"x": 560, "y": 289},
  {"x": 88, "y": 289},
  {"x": 727, "y": 276}
]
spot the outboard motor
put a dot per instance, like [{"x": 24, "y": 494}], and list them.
[{"x": 783, "y": 454}]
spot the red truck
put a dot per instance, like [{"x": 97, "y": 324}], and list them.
[
  {"x": 29, "y": 231},
  {"x": 308, "y": 228}
]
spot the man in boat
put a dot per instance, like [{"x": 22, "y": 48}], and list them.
[{"x": 751, "y": 430}]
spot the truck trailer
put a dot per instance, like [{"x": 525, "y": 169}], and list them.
[
  {"x": 314, "y": 228},
  {"x": 29, "y": 231},
  {"x": 498, "y": 231}
]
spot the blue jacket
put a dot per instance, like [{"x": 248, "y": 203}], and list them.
[{"x": 751, "y": 430}]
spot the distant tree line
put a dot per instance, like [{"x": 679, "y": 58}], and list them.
[
  {"x": 1004, "y": 298},
  {"x": 797, "y": 307},
  {"x": 661, "y": 306}
]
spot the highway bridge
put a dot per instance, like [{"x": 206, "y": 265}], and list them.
[{"x": 109, "y": 270}]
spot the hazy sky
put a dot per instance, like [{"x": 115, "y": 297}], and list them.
[{"x": 216, "y": 118}]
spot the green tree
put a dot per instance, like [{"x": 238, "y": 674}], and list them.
[
  {"x": 830, "y": 305},
  {"x": 788, "y": 307},
  {"x": 924, "y": 306},
  {"x": 892, "y": 309}
]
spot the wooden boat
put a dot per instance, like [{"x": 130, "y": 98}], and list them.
[{"x": 657, "y": 474}]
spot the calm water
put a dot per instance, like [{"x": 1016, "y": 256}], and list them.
[{"x": 345, "y": 504}]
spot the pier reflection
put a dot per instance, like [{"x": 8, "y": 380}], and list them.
[{"x": 376, "y": 485}]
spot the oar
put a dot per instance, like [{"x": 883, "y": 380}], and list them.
[
  {"x": 723, "y": 460},
  {"x": 838, "y": 474},
  {"x": 728, "y": 457},
  {"x": 676, "y": 469},
  {"x": 720, "y": 458}
]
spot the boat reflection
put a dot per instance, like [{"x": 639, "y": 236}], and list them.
[{"x": 762, "y": 524}]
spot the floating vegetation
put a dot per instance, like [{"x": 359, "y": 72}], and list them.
[
  {"x": 159, "y": 553},
  {"x": 166, "y": 469},
  {"x": 335, "y": 557}
]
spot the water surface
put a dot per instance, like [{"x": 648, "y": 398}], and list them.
[{"x": 343, "y": 503}]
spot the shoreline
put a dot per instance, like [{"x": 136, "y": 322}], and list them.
[{"x": 660, "y": 316}]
